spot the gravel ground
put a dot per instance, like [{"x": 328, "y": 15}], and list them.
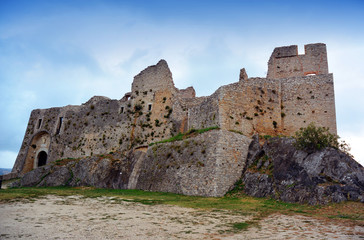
[{"x": 75, "y": 217}]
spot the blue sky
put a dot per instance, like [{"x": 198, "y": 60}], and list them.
[{"x": 55, "y": 53}]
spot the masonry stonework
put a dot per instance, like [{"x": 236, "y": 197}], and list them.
[{"x": 298, "y": 90}]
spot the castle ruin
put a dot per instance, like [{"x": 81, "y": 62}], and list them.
[{"x": 298, "y": 90}]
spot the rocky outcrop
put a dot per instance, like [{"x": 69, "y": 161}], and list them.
[
  {"x": 277, "y": 169},
  {"x": 109, "y": 171}
]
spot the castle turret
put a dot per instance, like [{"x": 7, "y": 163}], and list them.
[{"x": 285, "y": 61}]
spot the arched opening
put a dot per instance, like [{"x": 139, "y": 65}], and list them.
[
  {"x": 35, "y": 158},
  {"x": 42, "y": 158}
]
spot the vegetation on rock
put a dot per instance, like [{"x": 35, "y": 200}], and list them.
[
  {"x": 190, "y": 133},
  {"x": 314, "y": 138}
]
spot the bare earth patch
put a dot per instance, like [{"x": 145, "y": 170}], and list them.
[{"x": 76, "y": 217}]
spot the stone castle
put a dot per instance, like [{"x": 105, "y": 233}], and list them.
[{"x": 298, "y": 90}]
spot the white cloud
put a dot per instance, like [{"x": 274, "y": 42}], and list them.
[
  {"x": 7, "y": 159},
  {"x": 355, "y": 139}
]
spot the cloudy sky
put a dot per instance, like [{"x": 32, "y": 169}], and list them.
[{"x": 55, "y": 53}]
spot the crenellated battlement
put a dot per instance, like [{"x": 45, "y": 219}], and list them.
[{"x": 285, "y": 61}]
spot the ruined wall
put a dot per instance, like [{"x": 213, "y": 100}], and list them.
[
  {"x": 285, "y": 62},
  {"x": 102, "y": 125},
  {"x": 153, "y": 78},
  {"x": 250, "y": 106},
  {"x": 308, "y": 99},
  {"x": 205, "y": 165},
  {"x": 205, "y": 113},
  {"x": 75, "y": 131},
  {"x": 282, "y": 106}
]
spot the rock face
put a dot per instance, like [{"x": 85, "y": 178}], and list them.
[
  {"x": 277, "y": 169},
  {"x": 109, "y": 171}
]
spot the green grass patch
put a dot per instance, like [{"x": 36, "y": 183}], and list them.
[
  {"x": 191, "y": 133},
  {"x": 242, "y": 204},
  {"x": 241, "y": 226}
]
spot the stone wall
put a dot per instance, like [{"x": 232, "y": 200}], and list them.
[
  {"x": 282, "y": 106},
  {"x": 102, "y": 125},
  {"x": 205, "y": 113},
  {"x": 153, "y": 78},
  {"x": 308, "y": 99},
  {"x": 286, "y": 62},
  {"x": 207, "y": 165}
]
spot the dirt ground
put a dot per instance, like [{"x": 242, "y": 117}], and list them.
[{"x": 75, "y": 217}]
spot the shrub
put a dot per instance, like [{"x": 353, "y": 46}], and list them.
[
  {"x": 266, "y": 137},
  {"x": 314, "y": 138}
]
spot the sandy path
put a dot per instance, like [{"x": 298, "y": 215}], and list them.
[{"x": 75, "y": 217}]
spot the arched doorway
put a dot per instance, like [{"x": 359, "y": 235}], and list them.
[
  {"x": 42, "y": 158},
  {"x": 38, "y": 151}
]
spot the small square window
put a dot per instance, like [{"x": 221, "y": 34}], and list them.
[{"x": 150, "y": 107}]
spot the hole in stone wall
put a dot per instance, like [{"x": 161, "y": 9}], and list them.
[
  {"x": 39, "y": 123},
  {"x": 42, "y": 158},
  {"x": 310, "y": 73},
  {"x": 301, "y": 50},
  {"x": 122, "y": 110},
  {"x": 150, "y": 107},
  {"x": 59, "y": 125}
]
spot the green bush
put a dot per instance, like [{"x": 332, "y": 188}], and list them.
[{"x": 314, "y": 138}]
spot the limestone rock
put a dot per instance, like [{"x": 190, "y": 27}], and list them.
[
  {"x": 33, "y": 178},
  {"x": 292, "y": 175},
  {"x": 58, "y": 176}
]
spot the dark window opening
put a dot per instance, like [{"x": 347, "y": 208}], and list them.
[
  {"x": 149, "y": 107},
  {"x": 122, "y": 110},
  {"x": 42, "y": 158},
  {"x": 59, "y": 125},
  {"x": 39, "y": 123}
]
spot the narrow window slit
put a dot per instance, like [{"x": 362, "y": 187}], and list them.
[{"x": 59, "y": 125}]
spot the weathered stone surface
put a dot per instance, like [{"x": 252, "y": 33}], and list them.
[
  {"x": 33, "y": 178},
  {"x": 292, "y": 175},
  {"x": 58, "y": 176},
  {"x": 286, "y": 62},
  {"x": 206, "y": 165},
  {"x": 110, "y": 171},
  {"x": 9, "y": 176},
  {"x": 101, "y": 173}
]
